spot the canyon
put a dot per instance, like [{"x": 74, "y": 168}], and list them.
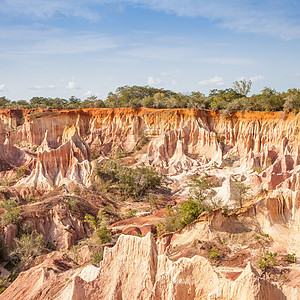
[{"x": 49, "y": 161}]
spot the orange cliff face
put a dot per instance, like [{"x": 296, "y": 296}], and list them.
[{"x": 180, "y": 139}]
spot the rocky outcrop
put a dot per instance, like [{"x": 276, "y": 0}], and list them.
[
  {"x": 67, "y": 165},
  {"x": 180, "y": 140},
  {"x": 133, "y": 270}
]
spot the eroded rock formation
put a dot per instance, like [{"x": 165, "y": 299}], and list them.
[
  {"x": 132, "y": 269},
  {"x": 54, "y": 149}
]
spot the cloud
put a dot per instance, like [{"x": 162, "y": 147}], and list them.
[
  {"x": 43, "y": 87},
  {"x": 2, "y": 86},
  {"x": 50, "y": 9},
  {"x": 257, "y": 78},
  {"x": 215, "y": 81},
  {"x": 276, "y": 18},
  {"x": 169, "y": 53},
  {"x": 88, "y": 93},
  {"x": 19, "y": 41},
  {"x": 153, "y": 81},
  {"x": 71, "y": 85},
  {"x": 264, "y": 17},
  {"x": 229, "y": 60},
  {"x": 171, "y": 73}
]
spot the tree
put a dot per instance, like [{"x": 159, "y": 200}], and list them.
[
  {"x": 201, "y": 191},
  {"x": 242, "y": 191},
  {"x": 267, "y": 259},
  {"x": 4, "y": 102},
  {"x": 242, "y": 86},
  {"x": 74, "y": 102},
  {"x": 292, "y": 100},
  {"x": 12, "y": 211},
  {"x": 28, "y": 246},
  {"x": 100, "y": 224},
  {"x": 270, "y": 100}
]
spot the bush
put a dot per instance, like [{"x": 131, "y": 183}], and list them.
[
  {"x": 267, "y": 260},
  {"x": 291, "y": 258},
  {"x": 214, "y": 253},
  {"x": 28, "y": 246},
  {"x": 12, "y": 211},
  {"x": 97, "y": 256},
  {"x": 100, "y": 224},
  {"x": 129, "y": 182},
  {"x": 72, "y": 203},
  {"x": 178, "y": 217}
]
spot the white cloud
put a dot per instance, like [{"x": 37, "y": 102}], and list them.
[
  {"x": 56, "y": 9},
  {"x": 229, "y": 60},
  {"x": 41, "y": 40},
  {"x": 171, "y": 73},
  {"x": 71, "y": 85},
  {"x": 2, "y": 86},
  {"x": 215, "y": 81},
  {"x": 271, "y": 18},
  {"x": 276, "y": 18},
  {"x": 88, "y": 93},
  {"x": 43, "y": 87},
  {"x": 257, "y": 78},
  {"x": 153, "y": 81}
]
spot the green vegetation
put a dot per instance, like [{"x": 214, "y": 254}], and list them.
[
  {"x": 12, "y": 211},
  {"x": 99, "y": 224},
  {"x": 131, "y": 213},
  {"x": 189, "y": 210},
  {"x": 214, "y": 253},
  {"x": 267, "y": 260},
  {"x": 72, "y": 202},
  {"x": 242, "y": 191},
  {"x": 226, "y": 100},
  {"x": 291, "y": 258},
  {"x": 28, "y": 246},
  {"x": 97, "y": 256},
  {"x": 129, "y": 182}
]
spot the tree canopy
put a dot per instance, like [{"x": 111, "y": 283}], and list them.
[{"x": 226, "y": 100}]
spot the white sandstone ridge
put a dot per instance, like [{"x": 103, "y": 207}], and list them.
[
  {"x": 132, "y": 269},
  {"x": 68, "y": 165}
]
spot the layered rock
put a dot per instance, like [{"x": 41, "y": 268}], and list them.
[
  {"x": 133, "y": 270},
  {"x": 68, "y": 165}
]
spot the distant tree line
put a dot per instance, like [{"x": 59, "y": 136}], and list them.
[{"x": 226, "y": 100}]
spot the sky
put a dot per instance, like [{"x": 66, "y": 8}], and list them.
[{"x": 64, "y": 48}]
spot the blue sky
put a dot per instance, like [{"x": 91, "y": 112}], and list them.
[{"x": 60, "y": 48}]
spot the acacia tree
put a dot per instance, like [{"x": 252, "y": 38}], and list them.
[
  {"x": 242, "y": 86},
  {"x": 242, "y": 191},
  {"x": 267, "y": 259}
]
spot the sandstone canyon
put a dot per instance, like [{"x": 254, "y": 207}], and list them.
[{"x": 50, "y": 162}]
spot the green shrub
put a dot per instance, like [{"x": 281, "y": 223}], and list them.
[
  {"x": 267, "y": 260},
  {"x": 100, "y": 225},
  {"x": 28, "y": 246},
  {"x": 130, "y": 182},
  {"x": 214, "y": 253},
  {"x": 2, "y": 289},
  {"x": 12, "y": 211},
  {"x": 182, "y": 215},
  {"x": 291, "y": 258},
  {"x": 20, "y": 173},
  {"x": 95, "y": 155},
  {"x": 143, "y": 140},
  {"x": 72, "y": 203},
  {"x": 97, "y": 256}
]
